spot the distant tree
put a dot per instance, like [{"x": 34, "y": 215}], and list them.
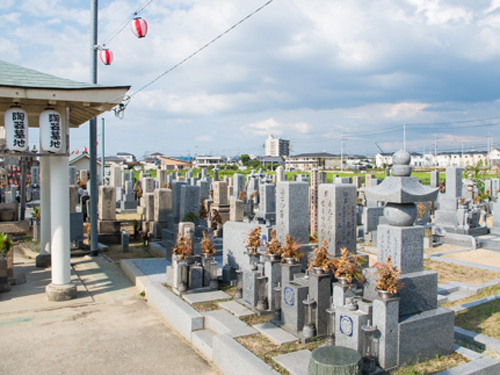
[{"x": 245, "y": 158}]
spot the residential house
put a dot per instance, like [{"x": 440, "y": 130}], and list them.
[
  {"x": 208, "y": 161},
  {"x": 171, "y": 163},
  {"x": 128, "y": 157}
]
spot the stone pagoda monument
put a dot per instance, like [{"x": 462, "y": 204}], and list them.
[{"x": 412, "y": 326}]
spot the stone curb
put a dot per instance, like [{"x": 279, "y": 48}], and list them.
[
  {"x": 135, "y": 274},
  {"x": 462, "y": 263},
  {"x": 174, "y": 310},
  {"x": 233, "y": 358},
  {"x": 482, "y": 341},
  {"x": 227, "y": 354}
]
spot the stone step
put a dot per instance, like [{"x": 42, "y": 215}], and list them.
[
  {"x": 236, "y": 309},
  {"x": 296, "y": 363},
  {"x": 275, "y": 333},
  {"x": 215, "y": 295},
  {"x": 223, "y": 322},
  {"x": 203, "y": 341}
]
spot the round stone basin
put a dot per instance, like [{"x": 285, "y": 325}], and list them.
[
  {"x": 335, "y": 360},
  {"x": 400, "y": 215}
]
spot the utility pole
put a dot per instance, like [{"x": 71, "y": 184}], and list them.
[
  {"x": 341, "y": 152},
  {"x": 435, "y": 151},
  {"x": 93, "y": 134},
  {"x": 404, "y": 137},
  {"x": 102, "y": 158}
]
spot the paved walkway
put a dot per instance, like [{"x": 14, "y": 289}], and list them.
[{"x": 107, "y": 329}]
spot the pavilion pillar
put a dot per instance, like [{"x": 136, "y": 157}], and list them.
[
  {"x": 61, "y": 288},
  {"x": 43, "y": 259}
]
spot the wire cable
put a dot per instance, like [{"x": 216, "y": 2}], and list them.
[
  {"x": 120, "y": 28},
  {"x": 202, "y": 48}
]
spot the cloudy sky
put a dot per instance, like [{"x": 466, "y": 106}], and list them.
[{"x": 312, "y": 71}]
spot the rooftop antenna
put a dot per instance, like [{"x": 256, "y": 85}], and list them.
[{"x": 404, "y": 137}]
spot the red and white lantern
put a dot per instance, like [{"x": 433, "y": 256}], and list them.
[
  {"x": 139, "y": 27},
  {"x": 51, "y": 131},
  {"x": 16, "y": 129},
  {"x": 106, "y": 56}
]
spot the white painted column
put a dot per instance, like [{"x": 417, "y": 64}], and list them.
[
  {"x": 59, "y": 220},
  {"x": 61, "y": 288},
  {"x": 45, "y": 235}
]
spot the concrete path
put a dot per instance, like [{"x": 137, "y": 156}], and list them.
[{"x": 108, "y": 329}]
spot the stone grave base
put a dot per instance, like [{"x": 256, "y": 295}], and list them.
[
  {"x": 157, "y": 229},
  {"x": 110, "y": 238},
  {"x": 423, "y": 336},
  {"x": 43, "y": 261},
  {"x": 108, "y": 226},
  {"x": 15, "y": 227}
]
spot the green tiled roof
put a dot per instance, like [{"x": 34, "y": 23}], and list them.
[{"x": 17, "y": 76}]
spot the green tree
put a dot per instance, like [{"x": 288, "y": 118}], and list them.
[{"x": 245, "y": 158}]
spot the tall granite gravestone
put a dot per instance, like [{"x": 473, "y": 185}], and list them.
[
  {"x": 236, "y": 210},
  {"x": 322, "y": 177},
  {"x": 455, "y": 214},
  {"x": 292, "y": 211},
  {"x": 35, "y": 175},
  {"x": 405, "y": 326},
  {"x": 72, "y": 175},
  {"x": 115, "y": 178},
  {"x": 220, "y": 202},
  {"x": 75, "y": 218},
  {"x": 280, "y": 174},
  {"x": 496, "y": 219},
  {"x": 204, "y": 189},
  {"x": 313, "y": 201},
  {"x": 162, "y": 178},
  {"x": 128, "y": 202},
  {"x": 149, "y": 213},
  {"x": 84, "y": 175},
  {"x": 148, "y": 185},
  {"x": 267, "y": 205},
  {"x": 108, "y": 226},
  {"x": 176, "y": 201},
  {"x": 238, "y": 184},
  {"x": 162, "y": 210},
  {"x": 337, "y": 217},
  {"x": 356, "y": 180},
  {"x": 190, "y": 201},
  {"x": 495, "y": 186},
  {"x": 434, "y": 175}
]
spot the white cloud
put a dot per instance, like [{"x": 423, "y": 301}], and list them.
[{"x": 204, "y": 138}]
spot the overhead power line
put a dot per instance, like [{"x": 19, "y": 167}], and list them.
[{"x": 122, "y": 106}]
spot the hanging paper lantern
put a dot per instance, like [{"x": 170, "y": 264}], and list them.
[
  {"x": 50, "y": 123},
  {"x": 76, "y": 152},
  {"x": 106, "y": 56},
  {"x": 139, "y": 27},
  {"x": 16, "y": 129},
  {"x": 85, "y": 149}
]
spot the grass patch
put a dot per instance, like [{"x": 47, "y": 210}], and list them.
[
  {"x": 228, "y": 289},
  {"x": 432, "y": 366},
  {"x": 256, "y": 319},
  {"x": 483, "y": 319},
  {"x": 135, "y": 251},
  {"x": 209, "y": 306},
  {"x": 449, "y": 272},
  {"x": 265, "y": 349}
]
